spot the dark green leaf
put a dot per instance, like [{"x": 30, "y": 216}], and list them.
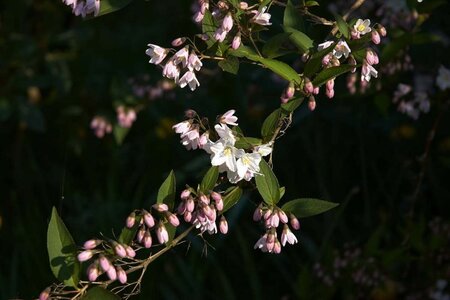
[
  {"x": 127, "y": 235},
  {"x": 98, "y": 293},
  {"x": 330, "y": 73},
  {"x": 120, "y": 133},
  {"x": 247, "y": 142},
  {"x": 209, "y": 180},
  {"x": 343, "y": 26},
  {"x": 209, "y": 26},
  {"x": 301, "y": 40},
  {"x": 231, "y": 198},
  {"x": 272, "y": 46},
  {"x": 292, "y": 105},
  {"x": 270, "y": 124},
  {"x": 267, "y": 184},
  {"x": 307, "y": 207},
  {"x": 109, "y": 6},
  {"x": 281, "y": 68},
  {"x": 244, "y": 51},
  {"x": 282, "y": 191},
  {"x": 230, "y": 64},
  {"x": 292, "y": 17},
  {"x": 311, "y": 3},
  {"x": 167, "y": 191},
  {"x": 62, "y": 251}
]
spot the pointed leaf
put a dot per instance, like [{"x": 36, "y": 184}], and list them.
[
  {"x": 120, "y": 133},
  {"x": 231, "y": 198},
  {"x": 301, "y": 40},
  {"x": 209, "y": 180},
  {"x": 271, "y": 48},
  {"x": 306, "y": 207},
  {"x": 247, "y": 142},
  {"x": 270, "y": 124},
  {"x": 282, "y": 191},
  {"x": 109, "y": 6},
  {"x": 343, "y": 26},
  {"x": 209, "y": 26},
  {"x": 292, "y": 105},
  {"x": 267, "y": 184},
  {"x": 167, "y": 191},
  {"x": 230, "y": 64},
  {"x": 127, "y": 235},
  {"x": 330, "y": 73},
  {"x": 62, "y": 251},
  {"x": 281, "y": 68},
  {"x": 98, "y": 293},
  {"x": 292, "y": 17}
]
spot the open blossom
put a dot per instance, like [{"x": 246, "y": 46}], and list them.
[
  {"x": 190, "y": 79},
  {"x": 367, "y": 71},
  {"x": 84, "y": 8},
  {"x": 194, "y": 63},
  {"x": 182, "y": 56},
  {"x": 246, "y": 167},
  {"x": 171, "y": 70},
  {"x": 229, "y": 118},
  {"x": 288, "y": 236},
  {"x": 225, "y": 155},
  {"x": 443, "y": 78},
  {"x": 261, "y": 17},
  {"x": 220, "y": 34},
  {"x": 341, "y": 48},
  {"x": 324, "y": 45},
  {"x": 361, "y": 28},
  {"x": 156, "y": 53},
  {"x": 225, "y": 133}
]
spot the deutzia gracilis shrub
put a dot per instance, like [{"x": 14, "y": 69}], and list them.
[{"x": 230, "y": 32}]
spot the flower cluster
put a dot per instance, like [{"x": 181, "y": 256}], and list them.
[
  {"x": 125, "y": 117},
  {"x": 202, "y": 210},
  {"x": 181, "y": 61},
  {"x": 83, "y": 7},
  {"x": 238, "y": 163},
  {"x": 101, "y": 126},
  {"x": 274, "y": 217}
]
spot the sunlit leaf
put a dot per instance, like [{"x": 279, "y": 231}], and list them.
[
  {"x": 231, "y": 198},
  {"x": 307, "y": 207},
  {"x": 209, "y": 180},
  {"x": 267, "y": 184}
]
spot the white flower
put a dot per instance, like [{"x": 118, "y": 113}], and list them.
[
  {"x": 362, "y": 27},
  {"x": 367, "y": 71},
  {"x": 248, "y": 163},
  {"x": 156, "y": 53},
  {"x": 264, "y": 149},
  {"x": 182, "y": 56},
  {"x": 182, "y": 127},
  {"x": 194, "y": 62},
  {"x": 443, "y": 78},
  {"x": 171, "y": 71},
  {"x": 225, "y": 133},
  {"x": 288, "y": 236},
  {"x": 189, "y": 79},
  {"x": 224, "y": 155},
  {"x": 341, "y": 48},
  {"x": 261, "y": 17},
  {"x": 324, "y": 45},
  {"x": 229, "y": 118}
]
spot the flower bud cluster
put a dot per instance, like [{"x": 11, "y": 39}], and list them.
[
  {"x": 83, "y": 7},
  {"x": 125, "y": 116},
  {"x": 101, "y": 126},
  {"x": 202, "y": 210},
  {"x": 274, "y": 217},
  {"x": 181, "y": 61},
  {"x": 105, "y": 259}
]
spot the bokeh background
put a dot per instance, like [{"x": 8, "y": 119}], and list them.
[{"x": 376, "y": 150}]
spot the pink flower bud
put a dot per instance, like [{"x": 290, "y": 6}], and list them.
[
  {"x": 243, "y": 5},
  {"x": 283, "y": 217},
  {"x": 316, "y": 90},
  {"x": 326, "y": 60},
  {"x": 204, "y": 199},
  {"x": 105, "y": 264},
  {"x": 120, "y": 250},
  {"x": 162, "y": 234},
  {"x": 329, "y": 93},
  {"x": 181, "y": 208},
  {"x": 294, "y": 222},
  {"x": 161, "y": 207},
  {"x": 205, "y": 6},
  {"x": 188, "y": 216},
  {"x": 309, "y": 88},
  {"x": 218, "y": 199},
  {"x": 227, "y": 22},
  {"x": 190, "y": 204},
  {"x": 355, "y": 34},
  {"x": 93, "y": 272},
  {"x": 371, "y": 57},
  {"x": 148, "y": 219},
  {"x": 198, "y": 17},
  {"x": 91, "y": 244},
  {"x": 257, "y": 215},
  {"x": 178, "y": 41},
  {"x": 147, "y": 240},
  {"x": 210, "y": 213},
  {"x": 121, "y": 275},
  {"x": 330, "y": 84},
  {"x": 130, "y": 251},
  {"x": 45, "y": 294},
  {"x": 236, "y": 41},
  {"x": 267, "y": 214},
  {"x": 375, "y": 37},
  {"x": 203, "y": 140},
  {"x": 312, "y": 103},
  {"x": 173, "y": 219},
  {"x": 277, "y": 247},
  {"x": 274, "y": 220},
  {"x": 290, "y": 91},
  {"x": 85, "y": 255},
  {"x": 112, "y": 274},
  {"x": 223, "y": 226},
  {"x": 131, "y": 220},
  {"x": 185, "y": 194},
  {"x": 382, "y": 30}
]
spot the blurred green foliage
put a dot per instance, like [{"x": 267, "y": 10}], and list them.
[{"x": 57, "y": 72}]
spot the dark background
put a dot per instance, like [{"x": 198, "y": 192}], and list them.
[{"x": 389, "y": 238}]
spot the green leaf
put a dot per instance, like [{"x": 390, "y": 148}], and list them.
[
  {"x": 167, "y": 191},
  {"x": 127, "y": 234},
  {"x": 267, "y": 184},
  {"x": 342, "y": 25},
  {"x": 231, "y": 198},
  {"x": 292, "y": 105},
  {"x": 282, "y": 191},
  {"x": 98, "y": 293},
  {"x": 271, "y": 48},
  {"x": 307, "y": 207},
  {"x": 247, "y": 142},
  {"x": 330, "y": 73},
  {"x": 235, "y": 3},
  {"x": 315, "y": 61},
  {"x": 292, "y": 17},
  {"x": 209, "y": 180},
  {"x": 311, "y": 3},
  {"x": 62, "y": 251},
  {"x": 301, "y": 40},
  {"x": 244, "y": 51},
  {"x": 281, "y": 68},
  {"x": 230, "y": 64},
  {"x": 209, "y": 26},
  {"x": 270, "y": 124},
  {"x": 109, "y": 6},
  {"x": 120, "y": 133},
  {"x": 265, "y": 3}
]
